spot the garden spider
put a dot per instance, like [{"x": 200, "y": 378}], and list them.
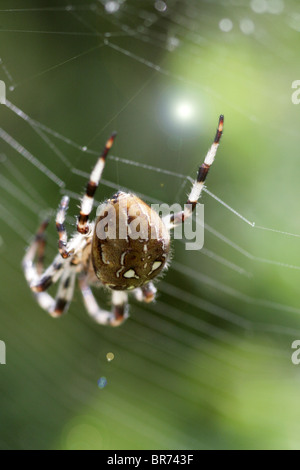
[{"x": 120, "y": 264}]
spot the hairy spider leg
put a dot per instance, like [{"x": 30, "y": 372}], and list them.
[
  {"x": 88, "y": 198},
  {"x": 173, "y": 220},
  {"x": 119, "y": 305}
]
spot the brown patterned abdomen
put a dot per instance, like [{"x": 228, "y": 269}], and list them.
[{"x": 130, "y": 244}]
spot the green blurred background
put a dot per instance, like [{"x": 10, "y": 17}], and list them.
[{"x": 208, "y": 366}]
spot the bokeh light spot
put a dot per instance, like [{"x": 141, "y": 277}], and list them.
[
  {"x": 225, "y": 25},
  {"x": 112, "y": 7},
  {"x": 184, "y": 111},
  {"x": 172, "y": 43},
  {"x": 160, "y": 5},
  {"x": 110, "y": 356},
  {"x": 247, "y": 26},
  {"x": 275, "y": 6},
  {"x": 102, "y": 382},
  {"x": 259, "y": 6},
  {"x": 294, "y": 21}
]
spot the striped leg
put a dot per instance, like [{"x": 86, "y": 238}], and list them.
[
  {"x": 178, "y": 218},
  {"x": 50, "y": 276},
  {"x": 146, "y": 293},
  {"x": 119, "y": 310},
  {"x": 65, "y": 248},
  {"x": 39, "y": 282},
  {"x": 88, "y": 198},
  {"x": 56, "y": 307},
  {"x": 41, "y": 245},
  {"x": 60, "y": 227},
  {"x": 36, "y": 281},
  {"x": 64, "y": 293}
]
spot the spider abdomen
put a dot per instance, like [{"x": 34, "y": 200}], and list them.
[{"x": 130, "y": 244}]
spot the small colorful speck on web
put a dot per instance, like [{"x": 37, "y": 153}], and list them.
[
  {"x": 110, "y": 356},
  {"x": 102, "y": 382}
]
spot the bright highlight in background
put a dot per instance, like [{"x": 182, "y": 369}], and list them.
[
  {"x": 102, "y": 382},
  {"x": 110, "y": 356},
  {"x": 225, "y": 25},
  {"x": 184, "y": 111}
]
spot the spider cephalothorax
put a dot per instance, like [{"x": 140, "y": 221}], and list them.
[{"x": 124, "y": 249}]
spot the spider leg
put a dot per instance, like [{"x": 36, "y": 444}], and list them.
[
  {"x": 119, "y": 311},
  {"x": 88, "y": 198},
  {"x": 56, "y": 307},
  {"x": 60, "y": 227},
  {"x": 65, "y": 291},
  {"x": 40, "y": 239},
  {"x": 44, "y": 281},
  {"x": 173, "y": 220},
  {"x": 40, "y": 282},
  {"x": 146, "y": 293},
  {"x": 65, "y": 248}
]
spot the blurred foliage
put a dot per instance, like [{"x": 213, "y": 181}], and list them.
[{"x": 209, "y": 365}]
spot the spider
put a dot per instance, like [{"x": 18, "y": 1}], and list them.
[{"x": 120, "y": 264}]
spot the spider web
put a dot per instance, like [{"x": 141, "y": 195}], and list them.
[{"x": 210, "y": 361}]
